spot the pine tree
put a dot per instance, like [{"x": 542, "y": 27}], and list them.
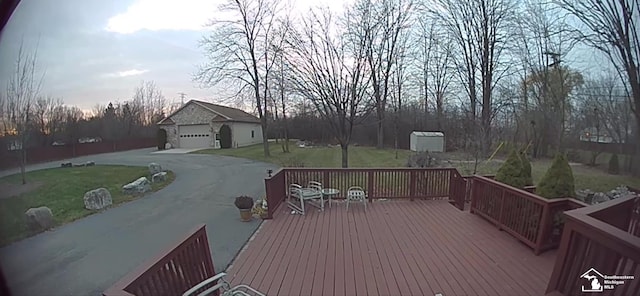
[{"x": 558, "y": 181}]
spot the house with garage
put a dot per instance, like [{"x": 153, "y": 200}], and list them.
[{"x": 197, "y": 124}]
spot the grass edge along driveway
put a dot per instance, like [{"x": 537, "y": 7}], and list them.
[{"x": 62, "y": 190}]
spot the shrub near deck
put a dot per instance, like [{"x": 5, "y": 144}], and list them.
[{"x": 62, "y": 191}]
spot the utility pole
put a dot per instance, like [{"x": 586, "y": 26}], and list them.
[{"x": 182, "y": 95}]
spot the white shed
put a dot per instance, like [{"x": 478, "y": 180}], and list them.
[{"x": 427, "y": 141}]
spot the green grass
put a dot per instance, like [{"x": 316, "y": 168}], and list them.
[
  {"x": 317, "y": 156},
  {"x": 62, "y": 190},
  {"x": 585, "y": 177}
]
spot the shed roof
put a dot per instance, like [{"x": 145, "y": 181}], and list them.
[{"x": 428, "y": 134}]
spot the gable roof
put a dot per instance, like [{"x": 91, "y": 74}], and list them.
[{"x": 228, "y": 113}]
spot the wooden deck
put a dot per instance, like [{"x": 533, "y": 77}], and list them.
[{"x": 398, "y": 247}]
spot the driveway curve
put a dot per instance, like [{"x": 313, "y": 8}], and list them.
[{"x": 88, "y": 255}]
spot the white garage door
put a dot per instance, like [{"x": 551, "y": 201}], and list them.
[{"x": 195, "y": 136}]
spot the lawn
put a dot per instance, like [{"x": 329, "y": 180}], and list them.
[
  {"x": 317, "y": 156},
  {"x": 62, "y": 190},
  {"x": 585, "y": 177}
]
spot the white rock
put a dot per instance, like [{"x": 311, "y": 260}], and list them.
[
  {"x": 141, "y": 185},
  {"x": 97, "y": 199},
  {"x": 154, "y": 168},
  {"x": 167, "y": 146},
  {"x": 159, "y": 177}
]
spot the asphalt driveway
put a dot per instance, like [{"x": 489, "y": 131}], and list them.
[{"x": 88, "y": 255}]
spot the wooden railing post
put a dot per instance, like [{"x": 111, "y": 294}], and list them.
[
  {"x": 370, "y": 186},
  {"x": 325, "y": 179},
  {"x": 561, "y": 257},
  {"x": 500, "y": 213},
  {"x": 542, "y": 230},
  {"x": 271, "y": 202},
  {"x": 412, "y": 184},
  {"x": 474, "y": 191}
]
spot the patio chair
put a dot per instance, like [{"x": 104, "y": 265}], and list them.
[
  {"x": 302, "y": 195},
  {"x": 356, "y": 194},
  {"x": 222, "y": 288}
]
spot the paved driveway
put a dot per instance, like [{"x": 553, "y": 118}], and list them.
[{"x": 88, "y": 255}]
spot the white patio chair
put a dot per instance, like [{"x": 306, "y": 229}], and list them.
[
  {"x": 356, "y": 194},
  {"x": 298, "y": 196},
  {"x": 222, "y": 287}
]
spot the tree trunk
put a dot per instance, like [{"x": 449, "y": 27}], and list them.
[
  {"x": 345, "y": 155},
  {"x": 265, "y": 137},
  {"x": 380, "y": 129}
]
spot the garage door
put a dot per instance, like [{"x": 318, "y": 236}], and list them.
[{"x": 195, "y": 136}]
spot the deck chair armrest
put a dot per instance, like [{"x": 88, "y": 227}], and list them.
[{"x": 214, "y": 278}]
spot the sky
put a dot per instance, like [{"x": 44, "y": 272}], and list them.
[{"x": 96, "y": 51}]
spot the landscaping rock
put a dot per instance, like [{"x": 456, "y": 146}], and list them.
[
  {"x": 90, "y": 163},
  {"x": 167, "y": 146},
  {"x": 97, "y": 199},
  {"x": 39, "y": 219},
  {"x": 79, "y": 165},
  {"x": 141, "y": 185},
  {"x": 422, "y": 160},
  {"x": 591, "y": 197},
  {"x": 159, "y": 177},
  {"x": 154, "y": 168},
  {"x": 66, "y": 165}
]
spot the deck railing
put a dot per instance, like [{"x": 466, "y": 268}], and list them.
[
  {"x": 605, "y": 237},
  {"x": 172, "y": 272},
  {"x": 387, "y": 183},
  {"x": 534, "y": 220},
  {"x": 276, "y": 190}
]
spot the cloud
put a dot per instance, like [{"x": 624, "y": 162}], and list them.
[
  {"x": 156, "y": 15},
  {"x": 127, "y": 73}
]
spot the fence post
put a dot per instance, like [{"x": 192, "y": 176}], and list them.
[
  {"x": 542, "y": 230},
  {"x": 325, "y": 179},
  {"x": 370, "y": 186},
  {"x": 269, "y": 196},
  {"x": 474, "y": 191},
  {"x": 412, "y": 184}
]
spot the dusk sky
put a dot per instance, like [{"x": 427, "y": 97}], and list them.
[{"x": 96, "y": 51}]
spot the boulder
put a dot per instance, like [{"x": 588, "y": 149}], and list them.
[
  {"x": 154, "y": 168},
  {"x": 141, "y": 185},
  {"x": 39, "y": 219},
  {"x": 80, "y": 165},
  {"x": 90, "y": 163},
  {"x": 66, "y": 165},
  {"x": 97, "y": 199},
  {"x": 159, "y": 177},
  {"x": 167, "y": 146}
]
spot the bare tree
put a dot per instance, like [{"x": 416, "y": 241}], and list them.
[
  {"x": 152, "y": 102},
  {"x": 435, "y": 59},
  {"x": 379, "y": 24},
  {"x": 613, "y": 27},
  {"x": 329, "y": 71},
  {"x": 397, "y": 83},
  {"x": 23, "y": 88},
  {"x": 480, "y": 29},
  {"x": 239, "y": 50},
  {"x": 43, "y": 118}
]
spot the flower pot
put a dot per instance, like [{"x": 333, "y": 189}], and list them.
[{"x": 245, "y": 215}]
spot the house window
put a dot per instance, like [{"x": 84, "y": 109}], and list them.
[
  {"x": 252, "y": 134},
  {"x": 218, "y": 137}
]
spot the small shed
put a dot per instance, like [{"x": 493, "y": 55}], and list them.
[{"x": 427, "y": 141}]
